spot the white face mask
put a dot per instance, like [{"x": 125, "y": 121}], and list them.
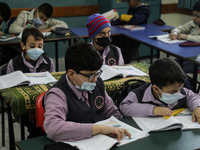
[
  {"x": 87, "y": 86},
  {"x": 37, "y": 21},
  {"x": 169, "y": 98},
  {"x": 34, "y": 53}
]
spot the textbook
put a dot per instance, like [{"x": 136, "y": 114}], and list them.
[
  {"x": 7, "y": 37},
  {"x": 111, "y": 15},
  {"x": 104, "y": 142},
  {"x": 132, "y": 27},
  {"x": 182, "y": 121},
  {"x": 120, "y": 71},
  {"x": 18, "y": 78},
  {"x": 165, "y": 38}
]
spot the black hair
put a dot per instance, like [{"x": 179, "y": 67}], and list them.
[
  {"x": 5, "y": 11},
  {"x": 166, "y": 71},
  {"x": 196, "y": 6},
  {"x": 31, "y": 31},
  {"x": 46, "y": 9},
  {"x": 82, "y": 56}
]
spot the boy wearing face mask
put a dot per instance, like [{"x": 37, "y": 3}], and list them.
[
  {"x": 99, "y": 31},
  {"x": 79, "y": 99},
  {"x": 39, "y": 18},
  {"x": 32, "y": 59},
  {"x": 163, "y": 94}
]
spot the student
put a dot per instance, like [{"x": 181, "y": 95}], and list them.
[
  {"x": 79, "y": 99},
  {"x": 5, "y": 14},
  {"x": 138, "y": 13},
  {"x": 39, "y": 18},
  {"x": 99, "y": 31},
  {"x": 164, "y": 93},
  {"x": 32, "y": 59},
  {"x": 190, "y": 32}
]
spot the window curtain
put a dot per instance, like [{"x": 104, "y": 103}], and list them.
[{"x": 186, "y": 4}]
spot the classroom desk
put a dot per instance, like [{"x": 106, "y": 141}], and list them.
[
  {"x": 166, "y": 140},
  {"x": 183, "y": 53},
  {"x": 53, "y": 37},
  {"x": 21, "y": 100},
  {"x": 171, "y": 49}
]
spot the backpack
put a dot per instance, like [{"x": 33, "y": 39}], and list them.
[{"x": 128, "y": 86}]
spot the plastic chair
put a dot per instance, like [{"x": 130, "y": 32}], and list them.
[{"x": 39, "y": 111}]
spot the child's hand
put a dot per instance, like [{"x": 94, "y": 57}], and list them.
[
  {"x": 196, "y": 115},
  {"x": 173, "y": 35},
  {"x": 112, "y": 131},
  {"x": 162, "y": 111},
  {"x": 182, "y": 37}
]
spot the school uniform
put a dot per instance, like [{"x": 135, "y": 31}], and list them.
[
  {"x": 70, "y": 112},
  {"x": 44, "y": 63},
  {"x": 111, "y": 55},
  {"x": 140, "y": 14},
  {"x": 136, "y": 105},
  {"x": 193, "y": 34},
  {"x": 192, "y": 31},
  {"x": 25, "y": 19}
]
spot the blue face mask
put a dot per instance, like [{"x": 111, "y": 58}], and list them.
[
  {"x": 87, "y": 86},
  {"x": 169, "y": 98},
  {"x": 37, "y": 21},
  {"x": 34, "y": 53}
]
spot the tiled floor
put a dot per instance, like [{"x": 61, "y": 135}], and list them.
[{"x": 180, "y": 19}]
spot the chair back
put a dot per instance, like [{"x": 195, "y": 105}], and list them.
[{"x": 39, "y": 111}]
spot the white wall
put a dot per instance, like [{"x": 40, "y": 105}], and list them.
[{"x": 169, "y": 1}]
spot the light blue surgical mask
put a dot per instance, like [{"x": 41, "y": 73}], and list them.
[
  {"x": 34, "y": 53},
  {"x": 37, "y": 21},
  {"x": 87, "y": 86},
  {"x": 169, "y": 98}
]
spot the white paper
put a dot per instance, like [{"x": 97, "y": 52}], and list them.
[
  {"x": 123, "y": 71},
  {"x": 19, "y": 78},
  {"x": 183, "y": 120},
  {"x": 13, "y": 79},
  {"x": 40, "y": 78},
  {"x": 44, "y": 33},
  {"x": 135, "y": 133},
  {"x": 6, "y": 37},
  {"x": 157, "y": 123},
  {"x": 104, "y": 142},
  {"x": 165, "y": 38}
]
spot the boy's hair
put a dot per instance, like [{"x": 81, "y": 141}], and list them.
[
  {"x": 166, "y": 71},
  {"x": 5, "y": 11},
  {"x": 196, "y": 6},
  {"x": 46, "y": 9},
  {"x": 31, "y": 31},
  {"x": 82, "y": 56}
]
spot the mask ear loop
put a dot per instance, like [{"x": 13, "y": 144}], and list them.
[{"x": 157, "y": 93}]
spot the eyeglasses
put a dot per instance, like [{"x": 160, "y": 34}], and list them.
[{"x": 92, "y": 76}]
